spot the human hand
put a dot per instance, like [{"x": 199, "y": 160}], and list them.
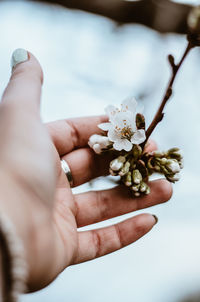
[{"x": 35, "y": 192}]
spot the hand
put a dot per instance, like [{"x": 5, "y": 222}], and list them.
[{"x": 36, "y": 195}]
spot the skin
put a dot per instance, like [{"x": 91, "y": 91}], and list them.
[{"x": 36, "y": 195}]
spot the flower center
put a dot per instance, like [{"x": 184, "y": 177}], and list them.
[{"x": 125, "y": 132}]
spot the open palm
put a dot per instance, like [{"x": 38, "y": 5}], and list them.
[{"x": 51, "y": 212}]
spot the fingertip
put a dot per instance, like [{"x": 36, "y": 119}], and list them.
[
  {"x": 143, "y": 224},
  {"x": 36, "y": 64},
  {"x": 151, "y": 146},
  {"x": 24, "y": 62},
  {"x": 164, "y": 188}
]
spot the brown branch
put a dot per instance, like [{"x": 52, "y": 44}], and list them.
[
  {"x": 175, "y": 68},
  {"x": 161, "y": 15}
]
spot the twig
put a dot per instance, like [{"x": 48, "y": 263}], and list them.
[{"x": 175, "y": 68}]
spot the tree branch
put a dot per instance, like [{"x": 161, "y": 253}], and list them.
[
  {"x": 175, "y": 68},
  {"x": 161, "y": 15}
]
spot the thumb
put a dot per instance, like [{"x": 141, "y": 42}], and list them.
[{"x": 24, "y": 88}]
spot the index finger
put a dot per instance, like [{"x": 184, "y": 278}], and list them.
[{"x": 74, "y": 133}]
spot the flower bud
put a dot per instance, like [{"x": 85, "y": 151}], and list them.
[
  {"x": 140, "y": 121},
  {"x": 137, "y": 151},
  {"x": 158, "y": 153},
  {"x": 98, "y": 143},
  {"x": 163, "y": 161},
  {"x": 148, "y": 190},
  {"x": 175, "y": 152},
  {"x": 125, "y": 169},
  {"x": 174, "y": 177},
  {"x": 173, "y": 166},
  {"x": 135, "y": 188},
  {"x": 128, "y": 180},
  {"x": 136, "y": 176},
  {"x": 143, "y": 187},
  {"x": 157, "y": 168},
  {"x": 104, "y": 141},
  {"x": 181, "y": 163},
  {"x": 93, "y": 140},
  {"x": 97, "y": 148},
  {"x": 117, "y": 163}
]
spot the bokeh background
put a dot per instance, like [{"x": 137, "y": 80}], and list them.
[{"x": 89, "y": 62}]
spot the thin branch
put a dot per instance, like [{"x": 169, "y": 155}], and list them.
[{"x": 175, "y": 68}]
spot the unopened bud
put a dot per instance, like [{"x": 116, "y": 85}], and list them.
[
  {"x": 137, "y": 151},
  {"x": 181, "y": 163},
  {"x": 163, "y": 161},
  {"x": 93, "y": 140},
  {"x": 137, "y": 194},
  {"x": 158, "y": 153},
  {"x": 143, "y": 187},
  {"x": 117, "y": 163},
  {"x": 97, "y": 148},
  {"x": 136, "y": 176},
  {"x": 128, "y": 180},
  {"x": 175, "y": 177},
  {"x": 98, "y": 143},
  {"x": 148, "y": 190},
  {"x": 157, "y": 168},
  {"x": 135, "y": 188},
  {"x": 176, "y": 152},
  {"x": 173, "y": 166},
  {"x": 125, "y": 169}
]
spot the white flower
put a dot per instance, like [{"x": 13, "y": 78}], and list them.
[
  {"x": 122, "y": 130},
  {"x": 98, "y": 142}
]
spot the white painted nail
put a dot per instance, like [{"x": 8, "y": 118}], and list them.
[{"x": 20, "y": 55}]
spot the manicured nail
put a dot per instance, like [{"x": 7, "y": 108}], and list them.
[
  {"x": 156, "y": 218},
  {"x": 20, "y": 55}
]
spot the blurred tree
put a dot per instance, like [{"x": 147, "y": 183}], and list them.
[{"x": 161, "y": 15}]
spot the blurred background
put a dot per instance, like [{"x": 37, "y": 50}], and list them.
[{"x": 92, "y": 60}]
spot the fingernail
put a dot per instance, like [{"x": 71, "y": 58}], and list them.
[
  {"x": 156, "y": 218},
  {"x": 20, "y": 55}
]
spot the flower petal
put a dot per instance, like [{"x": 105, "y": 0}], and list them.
[
  {"x": 105, "y": 126},
  {"x": 110, "y": 111},
  {"x": 124, "y": 119},
  {"x": 113, "y": 135},
  {"x": 138, "y": 137},
  {"x": 122, "y": 144},
  {"x": 129, "y": 104}
]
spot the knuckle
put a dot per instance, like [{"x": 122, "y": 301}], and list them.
[
  {"x": 119, "y": 236},
  {"x": 102, "y": 201},
  {"x": 74, "y": 133},
  {"x": 97, "y": 243}
]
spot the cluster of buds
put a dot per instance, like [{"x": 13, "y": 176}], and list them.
[
  {"x": 168, "y": 163},
  {"x": 135, "y": 181},
  {"x": 135, "y": 167},
  {"x": 132, "y": 171}
]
